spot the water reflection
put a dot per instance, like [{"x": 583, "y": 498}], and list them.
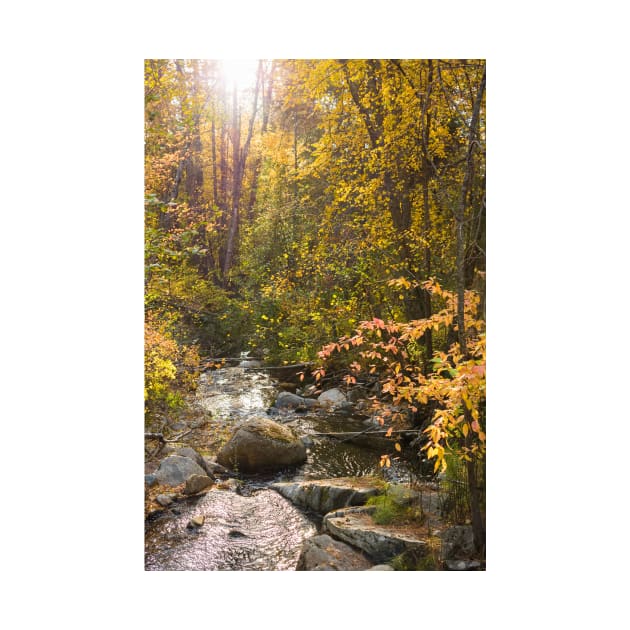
[{"x": 262, "y": 531}]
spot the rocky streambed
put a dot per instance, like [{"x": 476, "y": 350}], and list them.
[{"x": 306, "y": 513}]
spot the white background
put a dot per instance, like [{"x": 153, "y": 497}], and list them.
[{"x": 72, "y": 270}]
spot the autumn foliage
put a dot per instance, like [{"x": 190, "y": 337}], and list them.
[
  {"x": 455, "y": 384},
  {"x": 170, "y": 369},
  {"x": 276, "y": 215}
]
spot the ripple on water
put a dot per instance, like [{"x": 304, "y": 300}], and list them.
[
  {"x": 262, "y": 532},
  {"x": 230, "y": 392}
]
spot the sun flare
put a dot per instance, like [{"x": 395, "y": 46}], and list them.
[{"x": 239, "y": 72}]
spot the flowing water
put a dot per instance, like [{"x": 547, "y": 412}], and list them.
[
  {"x": 260, "y": 532},
  {"x": 257, "y": 529}
]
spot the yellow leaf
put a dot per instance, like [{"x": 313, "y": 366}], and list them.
[
  {"x": 397, "y": 447},
  {"x": 389, "y": 431},
  {"x": 466, "y": 400},
  {"x": 465, "y": 429}
]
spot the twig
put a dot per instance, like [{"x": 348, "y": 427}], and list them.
[
  {"x": 369, "y": 431},
  {"x": 161, "y": 438}
]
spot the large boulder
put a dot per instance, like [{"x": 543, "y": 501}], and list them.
[
  {"x": 331, "y": 398},
  {"x": 176, "y": 469},
  {"x": 325, "y": 495},
  {"x": 262, "y": 444},
  {"x": 355, "y": 526},
  {"x": 322, "y": 553}
]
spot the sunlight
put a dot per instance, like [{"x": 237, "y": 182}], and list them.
[{"x": 239, "y": 72}]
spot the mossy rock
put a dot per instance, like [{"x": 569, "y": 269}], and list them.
[
  {"x": 268, "y": 429},
  {"x": 262, "y": 444}
]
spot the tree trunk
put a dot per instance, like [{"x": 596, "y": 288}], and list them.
[
  {"x": 479, "y": 530},
  {"x": 215, "y": 182},
  {"x": 427, "y": 168},
  {"x": 460, "y": 216},
  {"x": 236, "y": 179},
  {"x": 194, "y": 172},
  {"x": 266, "y": 95},
  {"x": 475, "y": 508},
  {"x": 222, "y": 199},
  {"x": 239, "y": 160}
]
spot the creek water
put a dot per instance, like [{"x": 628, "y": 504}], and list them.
[{"x": 257, "y": 529}]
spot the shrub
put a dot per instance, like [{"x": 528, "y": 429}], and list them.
[
  {"x": 391, "y": 509},
  {"x": 170, "y": 370}
]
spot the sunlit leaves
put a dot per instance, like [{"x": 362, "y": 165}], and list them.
[
  {"x": 456, "y": 383},
  {"x": 170, "y": 369}
]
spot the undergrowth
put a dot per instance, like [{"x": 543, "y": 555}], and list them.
[{"x": 396, "y": 506}]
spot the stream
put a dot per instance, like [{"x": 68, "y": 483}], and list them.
[{"x": 257, "y": 529}]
